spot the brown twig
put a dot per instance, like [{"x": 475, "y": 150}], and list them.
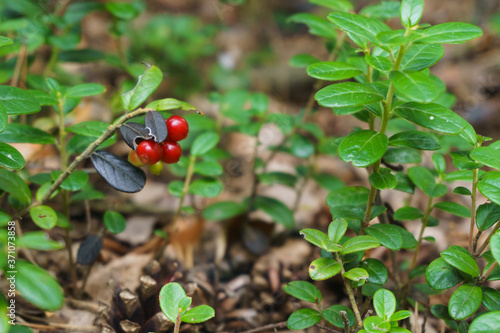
[
  {"x": 57, "y": 327},
  {"x": 270, "y": 327},
  {"x": 326, "y": 328}
]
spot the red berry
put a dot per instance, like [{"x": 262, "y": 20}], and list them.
[
  {"x": 177, "y": 127},
  {"x": 149, "y": 152},
  {"x": 171, "y": 152},
  {"x": 134, "y": 159}
]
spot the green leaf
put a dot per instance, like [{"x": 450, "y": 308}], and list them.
[
  {"x": 332, "y": 315},
  {"x": 38, "y": 240},
  {"x": 89, "y": 128},
  {"x": 453, "y": 208},
  {"x": 424, "y": 180},
  {"x": 402, "y": 156},
  {"x": 465, "y": 301},
  {"x": 21, "y": 133},
  {"x": 44, "y": 217},
  {"x": 393, "y": 38},
  {"x": 376, "y": 324},
  {"x": 415, "y": 139},
  {"x": 462, "y": 160},
  {"x": 171, "y": 295},
  {"x": 357, "y": 275},
  {"x": 315, "y": 237},
  {"x": 359, "y": 243},
  {"x": 332, "y": 70},
  {"x": 5, "y": 41},
  {"x": 387, "y": 234},
  {"x": 462, "y": 191},
  {"x": 323, "y": 268},
  {"x": 303, "y": 290},
  {"x": 449, "y": 33},
  {"x": 382, "y": 11},
  {"x": 38, "y": 287},
  {"x": 15, "y": 185},
  {"x": 487, "y": 156},
  {"x": 487, "y": 215},
  {"x": 383, "y": 179},
  {"x": 340, "y": 5},
  {"x": 365, "y": 28},
  {"x": 208, "y": 168},
  {"x": 223, "y": 210},
  {"x": 327, "y": 181},
  {"x": 198, "y": 314},
  {"x": 122, "y": 10},
  {"x": 491, "y": 299},
  {"x": 400, "y": 315},
  {"x": 276, "y": 209},
  {"x": 317, "y": 26},
  {"x": 432, "y": 116},
  {"x": 114, "y": 221},
  {"x": 347, "y": 94},
  {"x": 302, "y": 60},
  {"x": 336, "y": 230},
  {"x": 206, "y": 187},
  {"x": 408, "y": 214},
  {"x": 495, "y": 246},
  {"x": 75, "y": 181},
  {"x": 16, "y": 101},
  {"x": 486, "y": 323},
  {"x": 348, "y": 196},
  {"x": 384, "y": 303},
  {"x": 10, "y": 157},
  {"x": 415, "y": 86},
  {"x": 379, "y": 63},
  {"x": 440, "y": 276},
  {"x": 204, "y": 142},
  {"x": 171, "y": 104},
  {"x": 363, "y": 148},
  {"x": 301, "y": 146},
  {"x": 302, "y": 319},
  {"x": 84, "y": 90},
  {"x": 146, "y": 85},
  {"x": 489, "y": 186},
  {"x": 461, "y": 259},
  {"x": 377, "y": 271},
  {"x": 411, "y": 12}
]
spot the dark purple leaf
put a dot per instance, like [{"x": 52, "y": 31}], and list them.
[
  {"x": 156, "y": 125},
  {"x": 132, "y": 131},
  {"x": 89, "y": 250},
  {"x": 120, "y": 174}
]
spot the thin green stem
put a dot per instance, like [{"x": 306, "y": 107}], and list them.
[
  {"x": 425, "y": 219},
  {"x": 350, "y": 292},
  {"x": 52, "y": 61},
  {"x": 473, "y": 210},
  {"x": 487, "y": 240}
]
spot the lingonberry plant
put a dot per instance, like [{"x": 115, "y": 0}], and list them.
[{"x": 407, "y": 111}]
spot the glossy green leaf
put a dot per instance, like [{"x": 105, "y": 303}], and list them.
[
  {"x": 332, "y": 71},
  {"x": 383, "y": 179},
  {"x": 374, "y": 324},
  {"x": 332, "y": 315},
  {"x": 336, "y": 230},
  {"x": 208, "y": 168},
  {"x": 347, "y": 94},
  {"x": 487, "y": 156},
  {"x": 171, "y": 104},
  {"x": 363, "y": 148},
  {"x": 16, "y": 101},
  {"x": 411, "y": 12},
  {"x": 276, "y": 209},
  {"x": 423, "y": 179},
  {"x": 462, "y": 191},
  {"x": 340, "y": 5},
  {"x": 462, "y": 160},
  {"x": 365, "y": 28},
  {"x": 15, "y": 185},
  {"x": 320, "y": 239},
  {"x": 432, "y": 116},
  {"x": 495, "y": 245},
  {"x": 449, "y": 33},
  {"x": 317, "y": 26},
  {"x": 377, "y": 272},
  {"x": 453, "y": 208},
  {"x": 44, "y": 216},
  {"x": 415, "y": 86},
  {"x": 5, "y": 41},
  {"x": 356, "y": 274},
  {"x": 487, "y": 215},
  {"x": 323, "y": 268},
  {"x": 379, "y": 63},
  {"x": 21, "y": 133},
  {"x": 89, "y": 128},
  {"x": 38, "y": 287},
  {"x": 75, "y": 181},
  {"x": 393, "y": 38},
  {"x": 302, "y": 60},
  {"x": 408, "y": 214},
  {"x": 204, "y": 142},
  {"x": 415, "y": 139},
  {"x": 223, "y": 210},
  {"x": 302, "y": 319},
  {"x": 206, "y": 187},
  {"x": 10, "y": 157},
  {"x": 491, "y": 299},
  {"x": 382, "y": 11},
  {"x": 421, "y": 56},
  {"x": 387, "y": 234},
  {"x": 402, "y": 156},
  {"x": 384, "y": 303},
  {"x": 486, "y": 323},
  {"x": 198, "y": 314},
  {"x": 489, "y": 186},
  {"x": 85, "y": 89},
  {"x": 348, "y": 196},
  {"x": 171, "y": 295},
  {"x": 328, "y": 181},
  {"x": 301, "y": 146},
  {"x": 114, "y": 221},
  {"x": 122, "y": 10},
  {"x": 38, "y": 240},
  {"x": 439, "y": 275},
  {"x": 146, "y": 85},
  {"x": 303, "y": 290},
  {"x": 465, "y": 301},
  {"x": 359, "y": 243},
  {"x": 400, "y": 315},
  {"x": 461, "y": 259}
]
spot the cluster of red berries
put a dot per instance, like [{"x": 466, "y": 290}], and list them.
[{"x": 150, "y": 152}]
